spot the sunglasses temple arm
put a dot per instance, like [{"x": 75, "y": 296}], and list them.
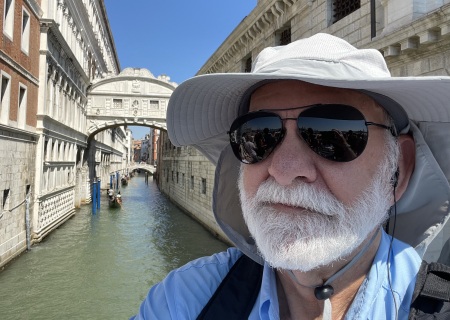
[{"x": 391, "y": 129}]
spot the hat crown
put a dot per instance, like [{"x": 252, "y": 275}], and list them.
[{"x": 323, "y": 55}]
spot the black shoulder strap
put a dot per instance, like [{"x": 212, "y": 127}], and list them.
[
  {"x": 237, "y": 293},
  {"x": 431, "y": 297}
]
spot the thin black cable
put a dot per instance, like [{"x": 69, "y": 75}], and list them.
[{"x": 389, "y": 254}]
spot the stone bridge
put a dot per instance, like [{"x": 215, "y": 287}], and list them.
[
  {"x": 134, "y": 97},
  {"x": 142, "y": 166}
]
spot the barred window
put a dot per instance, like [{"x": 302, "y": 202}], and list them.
[
  {"x": 285, "y": 37},
  {"x": 342, "y": 8}
]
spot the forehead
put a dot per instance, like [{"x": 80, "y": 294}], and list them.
[{"x": 291, "y": 93}]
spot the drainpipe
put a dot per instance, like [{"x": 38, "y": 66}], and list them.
[
  {"x": 373, "y": 23},
  {"x": 27, "y": 220}
]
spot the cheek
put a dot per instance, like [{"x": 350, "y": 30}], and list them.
[
  {"x": 349, "y": 180},
  {"x": 253, "y": 175}
]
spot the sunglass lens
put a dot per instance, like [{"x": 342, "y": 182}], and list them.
[
  {"x": 335, "y": 132},
  {"x": 254, "y": 136}
]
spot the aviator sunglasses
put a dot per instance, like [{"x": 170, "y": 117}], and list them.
[{"x": 335, "y": 132}]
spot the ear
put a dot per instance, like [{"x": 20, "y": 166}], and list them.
[{"x": 406, "y": 163}]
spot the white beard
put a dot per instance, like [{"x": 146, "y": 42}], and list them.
[{"x": 325, "y": 230}]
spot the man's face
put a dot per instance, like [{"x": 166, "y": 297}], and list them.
[{"x": 305, "y": 211}]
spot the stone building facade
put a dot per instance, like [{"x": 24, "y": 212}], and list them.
[
  {"x": 77, "y": 47},
  {"x": 19, "y": 72},
  {"x": 413, "y": 36},
  {"x": 186, "y": 177},
  {"x": 51, "y": 52}
]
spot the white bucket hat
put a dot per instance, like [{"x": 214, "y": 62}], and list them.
[{"x": 201, "y": 111}]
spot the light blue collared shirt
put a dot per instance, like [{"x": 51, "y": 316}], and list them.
[{"x": 185, "y": 291}]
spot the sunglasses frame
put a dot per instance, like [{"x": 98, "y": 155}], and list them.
[{"x": 239, "y": 121}]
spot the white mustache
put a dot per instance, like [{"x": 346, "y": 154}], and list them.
[{"x": 298, "y": 194}]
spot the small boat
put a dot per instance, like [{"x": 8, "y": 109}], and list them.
[
  {"x": 124, "y": 181},
  {"x": 115, "y": 201}
]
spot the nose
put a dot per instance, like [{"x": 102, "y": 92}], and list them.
[{"x": 292, "y": 159}]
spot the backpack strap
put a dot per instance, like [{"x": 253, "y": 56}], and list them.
[
  {"x": 431, "y": 297},
  {"x": 237, "y": 293}
]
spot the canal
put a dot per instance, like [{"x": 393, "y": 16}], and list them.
[{"x": 101, "y": 266}]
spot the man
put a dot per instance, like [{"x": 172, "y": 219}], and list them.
[{"x": 354, "y": 151}]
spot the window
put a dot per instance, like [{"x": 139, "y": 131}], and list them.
[
  {"x": 117, "y": 103},
  {"x": 342, "y": 8},
  {"x": 182, "y": 179},
  {"x": 154, "y": 104},
  {"x": 5, "y": 98},
  {"x": 5, "y": 201},
  {"x": 192, "y": 182},
  {"x": 178, "y": 174},
  {"x": 203, "y": 185},
  {"x": 248, "y": 64},
  {"x": 285, "y": 37},
  {"x": 25, "y": 41},
  {"x": 22, "y": 111},
  {"x": 47, "y": 158},
  {"x": 8, "y": 18}
]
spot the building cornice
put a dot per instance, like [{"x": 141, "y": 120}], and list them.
[
  {"x": 48, "y": 126},
  {"x": 169, "y": 85},
  {"x": 16, "y": 66},
  {"x": 430, "y": 28},
  {"x": 86, "y": 30},
  {"x": 259, "y": 20},
  {"x": 16, "y": 134},
  {"x": 110, "y": 35}
]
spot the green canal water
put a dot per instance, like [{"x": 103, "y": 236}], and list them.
[{"x": 101, "y": 266}]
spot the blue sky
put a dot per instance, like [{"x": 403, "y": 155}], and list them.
[{"x": 172, "y": 37}]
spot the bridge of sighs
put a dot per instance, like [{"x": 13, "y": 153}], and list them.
[{"x": 135, "y": 97}]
